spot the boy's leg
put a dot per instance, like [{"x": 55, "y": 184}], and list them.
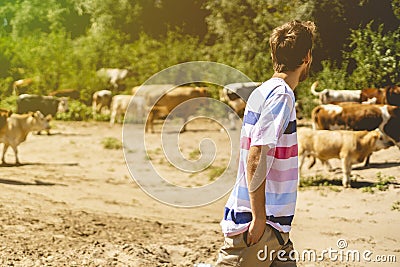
[{"x": 286, "y": 260}]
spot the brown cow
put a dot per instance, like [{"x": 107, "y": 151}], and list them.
[
  {"x": 4, "y": 114},
  {"x": 172, "y": 99},
  {"x": 389, "y": 95},
  {"x": 18, "y": 127},
  {"x": 19, "y": 84},
  {"x": 70, "y": 93},
  {"x": 349, "y": 146}
]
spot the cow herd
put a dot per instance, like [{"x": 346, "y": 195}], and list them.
[
  {"x": 346, "y": 124},
  {"x": 350, "y": 125}
]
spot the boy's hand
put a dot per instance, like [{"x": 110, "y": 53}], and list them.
[{"x": 256, "y": 230}]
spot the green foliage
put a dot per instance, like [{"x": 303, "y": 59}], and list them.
[
  {"x": 61, "y": 44},
  {"x": 396, "y": 8},
  {"x": 305, "y": 98},
  {"x": 243, "y": 43},
  {"x": 101, "y": 117},
  {"x": 376, "y": 55},
  {"x": 9, "y": 103},
  {"x": 77, "y": 112},
  {"x": 333, "y": 77}
]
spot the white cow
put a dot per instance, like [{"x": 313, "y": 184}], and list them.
[
  {"x": 328, "y": 96},
  {"x": 113, "y": 75},
  {"x": 119, "y": 106}
]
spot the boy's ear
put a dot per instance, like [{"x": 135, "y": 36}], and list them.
[{"x": 308, "y": 58}]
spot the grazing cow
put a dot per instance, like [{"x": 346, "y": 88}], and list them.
[
  {"x": 167, "y": 102},
  {"x": 17, "y": 128},
  {"x": 69, "y": 93},
  {"x": 100, "y": 100},
  {"x": 349, "y": 146},
  {"x": 328, "y": 96},
  {"x": 355, "y": 116},
  {"x": 113, "y": 75}
]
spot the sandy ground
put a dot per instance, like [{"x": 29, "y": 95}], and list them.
[{"x": 73, "y": 203}]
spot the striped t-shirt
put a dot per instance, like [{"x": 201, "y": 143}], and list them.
[{"x": 269, "y": 119}]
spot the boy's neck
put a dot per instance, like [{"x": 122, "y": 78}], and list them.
[{"x": 290, "y": 77}]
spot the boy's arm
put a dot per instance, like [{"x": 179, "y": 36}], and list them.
[{"x": 256, "y": 173}]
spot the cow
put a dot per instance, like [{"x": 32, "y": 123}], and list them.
[
  {"x": 393, "y": 95},
  {"x": 373, "y": 95},
  {"x": 100, "y": 100},
  {"x": 17, "y": 129},
  {"x": 4, "y": 114},
  {"x": 358, "y": 117},
  {"x": 119, "y": 106},
  {"x": 329, "y": 96},
  {"x": 113, "y": 76},
  {"x": 19, "y": 84},
  {"x": 236, "y": 96},
  {"x": 47, "y": 105},
  {"x": 389, "y": 95},
  {"x": 69, "y": 93},
  {"x": 170, "y": 100},
  {"x": 349, "y": 146}
]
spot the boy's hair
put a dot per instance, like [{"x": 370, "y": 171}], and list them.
[{"x": 290, "y": 44}]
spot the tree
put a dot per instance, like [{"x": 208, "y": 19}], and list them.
[{"x": 376, "y": 56}]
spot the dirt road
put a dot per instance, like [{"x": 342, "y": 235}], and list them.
[{"x": 73, "y": 203}]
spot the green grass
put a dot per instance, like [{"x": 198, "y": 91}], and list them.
[
  {"x": 317, "y": 180},
  {"x": 215, "y": 172},
  {"x": 111, "y": 143},
  {"x": 396, "y": 206},
  {"x": 382, "y": 184},
  {"x": 195, "y": 154}
]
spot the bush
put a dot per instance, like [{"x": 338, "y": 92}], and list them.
[
  {"x": 376, "y": 55},
  {"x": 77, "y": 112},
  {"x": 102, "y": 117},
  {"x": 9, "y": 103}
]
